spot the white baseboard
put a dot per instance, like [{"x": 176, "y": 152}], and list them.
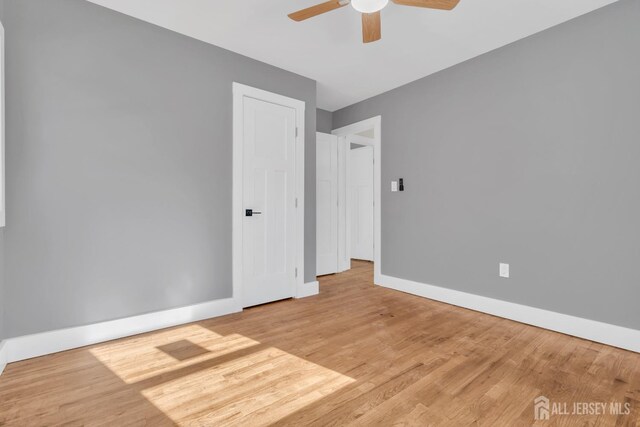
[
  {"x": 3, "y": 356},
  {"x": 617, "y": 336},
  {"x": 308, "y": 289},
  {"x": 28, "y": 346}
]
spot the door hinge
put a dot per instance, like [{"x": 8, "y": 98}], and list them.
[
  {"x": 296, "y": 132},
  {"x": 296, "y": 202},
  {"x": 296, "y": 271}
]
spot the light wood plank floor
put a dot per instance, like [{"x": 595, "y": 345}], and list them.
[{"x": 355, "y": 354}]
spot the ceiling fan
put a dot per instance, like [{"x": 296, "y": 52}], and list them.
[{"x": 370, "y": 9}]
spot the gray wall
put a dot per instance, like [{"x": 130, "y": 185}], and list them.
[
  {"x": 2, "y": 272},
  {"x": 119, "y": 149},
  {"x": 324, "y": 121},
  {"x": 529, "y": 155}
]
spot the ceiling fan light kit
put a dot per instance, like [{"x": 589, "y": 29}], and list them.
[
  {"x": 369, "y": 6},
  {"x": 370, "y": 9}
]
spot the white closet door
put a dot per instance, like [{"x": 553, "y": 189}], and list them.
[
  {"x": 362, "y": 203},
  {"x": 269, "y": 191},
  {"x": 326, "y": 204}
]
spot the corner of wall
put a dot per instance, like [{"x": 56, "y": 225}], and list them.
[{"x": 324, "y": 121}]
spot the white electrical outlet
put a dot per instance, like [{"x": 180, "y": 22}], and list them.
[
  {"x": 504, "y": 270},
  {"x": 394, "y": 186}
]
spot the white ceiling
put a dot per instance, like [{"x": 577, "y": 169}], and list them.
[{"x": 415, "y": 42}]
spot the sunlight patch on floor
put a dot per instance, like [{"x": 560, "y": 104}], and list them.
[
  {"x": 142, "y": 357},
  {"x": 198, "y": 377}
]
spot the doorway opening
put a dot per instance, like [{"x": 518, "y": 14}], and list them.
[
  {"x": 348, "y": 197},
  {"x": 360, "y": 199}
]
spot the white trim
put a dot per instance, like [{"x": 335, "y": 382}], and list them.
[
  {"x": 376, "y": 143},
  {"x": 617, "y": 336},
  {"x": 308, "y": 289},
  {"x": 360, "y": 140},
  {"x": 239, "y": 92},
  {"x": 3, "y": 356},
  {"x": 28, "y": 346}
]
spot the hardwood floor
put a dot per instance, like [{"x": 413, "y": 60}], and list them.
[{"x": 355, "y": 354}]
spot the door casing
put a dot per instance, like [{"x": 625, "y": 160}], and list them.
[{"x": 348, "y": 133}]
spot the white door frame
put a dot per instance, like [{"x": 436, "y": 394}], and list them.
[
  {"x": 240, "y": 92},
  {"x": 348, "y": 132}
]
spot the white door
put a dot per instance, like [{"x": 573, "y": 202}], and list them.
[
  {"x": 361, "y": 165},
  {"x": 268, "y": 235},
  {"x": 326, "y": 204}
]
